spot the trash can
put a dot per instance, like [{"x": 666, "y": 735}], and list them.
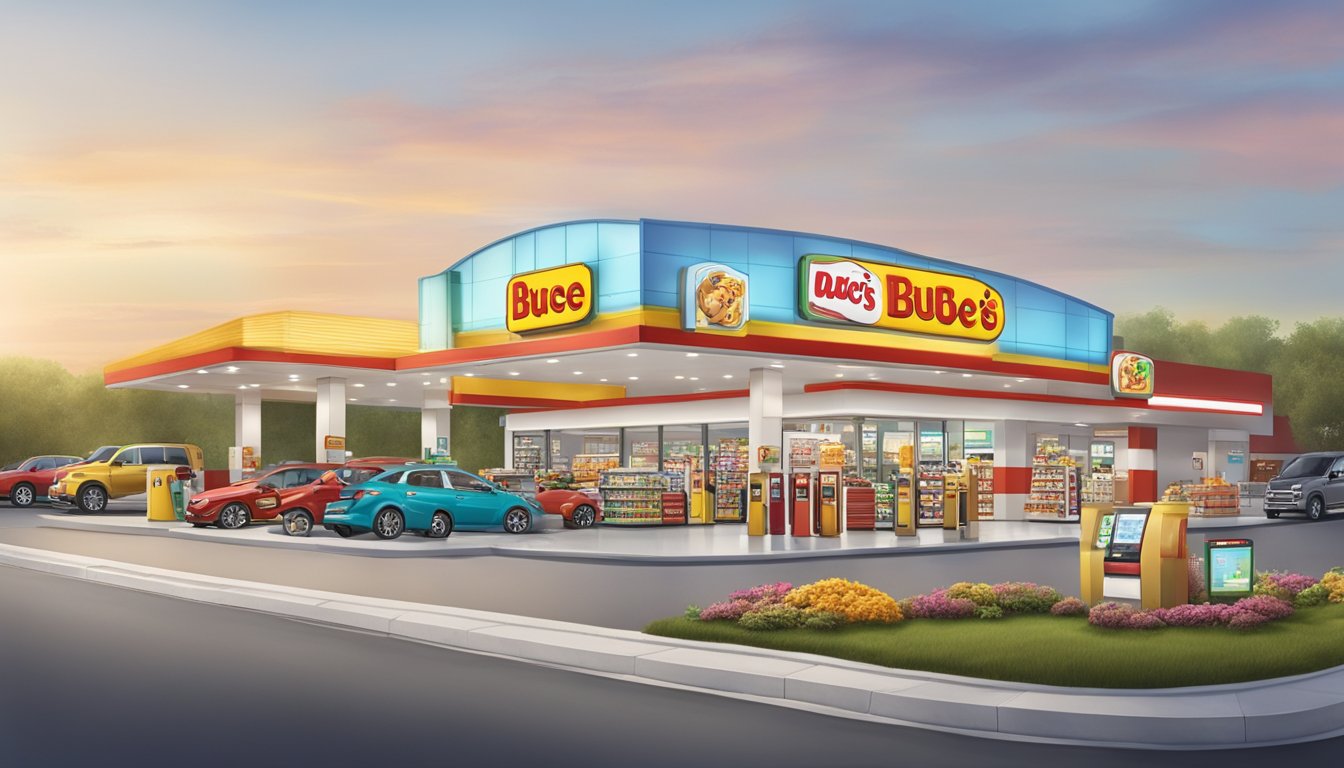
[{"x": 159, "y": 494}]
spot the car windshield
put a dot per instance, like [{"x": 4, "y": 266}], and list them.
[
  {"x": 1307, "y": 466},
  {"x": 103, "y": 454}
]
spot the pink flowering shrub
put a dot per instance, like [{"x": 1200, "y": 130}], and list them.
[
  {"x": 1269, "y": 607},
  {"x": 1194, "y": 575},
  {"x": 1204, "y": 615},
  {"x": 1069, "y": 606},
  {"x": 745, "y": 601},
  {"x": 1118, "y": 616},
  {"x": 1246, "y": 613},
  {"x": 938, "y": 605},
  {"x": 1247, "y": 620},
  {"x": 1284, "y": 586},
  {"x": 1025, "y": 597}
]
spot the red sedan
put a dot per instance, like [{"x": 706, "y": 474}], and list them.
[
  {"x": 21, "y": 486},
  {"x": 580, "y": 510},
  {"x": 258, "y": 498}
]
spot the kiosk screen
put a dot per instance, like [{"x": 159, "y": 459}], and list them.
[
  {"x": 1127, "y": 537},
  {"x": 1230, "y": 568}
]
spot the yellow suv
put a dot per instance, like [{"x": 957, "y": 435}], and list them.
[{"x": 90, "y": 486}]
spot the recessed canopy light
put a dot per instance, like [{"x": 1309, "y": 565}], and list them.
[
  {"x": 1019, "y": 381},
  {"x": 553, "y": 360},
  {"x": 632, "y": 354},
  {"x": 427, "y": 383},
  {"x": 391, "y": 383},
  {"x": 202, "y": 371},
  {"x": 601, "y": 379},
  {"x": 1007, "y": 386},
  {"x": 183, "y": 386},
  {"x": 293, "y": 377},
  {"x": 776, "y": 365},
  {"x": 357, "y": 385},
  {"x": 232, "y": 369},
  {"x": 701, "y": 389},
  {"x": 937, "y": 371},
  {"x": 695, "y": 378},
  {"x": 444, "y": 379},
  {"x": 242, "y": 386},
  {"x": 839, "y": 375},
  {"x": 393, "y": 400},
  {"x": 254, "y": 386},
  {"x": 577, "y": 373},
  {"x": 633, "y": 378},
  {"x": 727, "y": 375},
  {"x": 692, "y": 354},
  {"x": 678, "y": 378},
  {"x": 966, "y": 375},
  {"x": 1080, "y": 424},
  {"x": 513, "y": 373},
  {"x": 354, "y": 399}
]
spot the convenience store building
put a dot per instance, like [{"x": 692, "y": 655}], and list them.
[{"x": 659, "y": 344}]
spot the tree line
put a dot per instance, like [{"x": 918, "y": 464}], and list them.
[{"x": 1307, "y": 363}]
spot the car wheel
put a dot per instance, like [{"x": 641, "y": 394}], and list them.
[
  {"x": 298, "y": 523},
  {"x": 1272, "y": 515},
  {"x": 92, "y": 498},
  {"x": 344, "y": 531},
  {"x": 441, "y": 527},
  {"x": 1315, "y": 508},
  {"x": 234, "y": 516},
  {"x": 388, "y": 524},
  {"x": 584, "y": 516},
  {"x": 517, "y": 520},
  {"x": 22, "y": 495}
]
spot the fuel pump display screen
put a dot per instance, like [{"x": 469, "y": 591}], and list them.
[
  {"x": 775, "y": 491},
  {"x": 800, "y": 489},
  {"x": 1127, "y": 536},
  {"x": 1104, "y": 532}
]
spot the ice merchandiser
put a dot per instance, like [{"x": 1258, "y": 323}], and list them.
[
  {"x": 800, "y": 523},
  {"x": 777, "y": 504}
]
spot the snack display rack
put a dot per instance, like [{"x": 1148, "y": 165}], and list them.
[
  {"x": 1054, "y": 493},
  {"x": 676, "y": 470},
  {"x": 884, "y": 505},
  {"x": 730, "y": 480},
  {"x": 1213, "y": 499},
  {"x": 587, "y": 466},
  {"x": 984, "y": 481},
  {"x": 527, "y": 453},
  {"x": 931, "y": 494},
  {"x": 1099, "y": 488},
  {"x": 632, "y": 496}
]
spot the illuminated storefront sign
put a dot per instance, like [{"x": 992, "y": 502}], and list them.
[
  {"x": 839, "y": 290},
  {"x": 1131, "y": 375},
  {"x": 549, "y": 298},
  {"x": 714, "y": 297}
]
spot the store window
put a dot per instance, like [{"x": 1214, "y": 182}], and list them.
[
  {"x": 585, "y": 452},
  {"x": 684, "y": 455},
  {"x": 728, "y": 459},
  {"x": 641, "y": 448}
]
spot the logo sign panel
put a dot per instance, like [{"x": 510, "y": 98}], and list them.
[
  {"x": 1131, "y": 375},
  {"x": 714, "y": 297},
  {"x": 833, "y": 289},
  {"x": 549, "y": 298}
]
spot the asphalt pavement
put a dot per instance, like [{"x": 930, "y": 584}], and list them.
[{"x": 96, "y": 675}]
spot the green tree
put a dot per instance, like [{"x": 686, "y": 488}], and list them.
[{"x": 1307, "y": 383}]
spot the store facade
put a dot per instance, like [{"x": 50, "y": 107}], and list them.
[{"x": 683, "y": 349}]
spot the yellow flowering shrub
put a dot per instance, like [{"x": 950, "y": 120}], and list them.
[
  {"x": 849, "y": 599},
  {"x": 978, "y": 593},
  {"x": 1333, "y": 580}
]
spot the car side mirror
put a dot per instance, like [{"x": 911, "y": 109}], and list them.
[{"x": 1335, "y": 475}]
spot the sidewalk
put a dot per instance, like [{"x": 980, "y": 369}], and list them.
[{"x": 1303, "y": 708}]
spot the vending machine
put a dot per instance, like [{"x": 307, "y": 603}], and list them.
[
  {"x": 828, "y": 504},
  {"x": 776, "y": 504},
  {"x": 800, "y": 523}
]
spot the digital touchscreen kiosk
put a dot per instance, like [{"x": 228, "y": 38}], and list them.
[
  {"x": 1127, "y": 536},
  {"x": 1230, "y": 568}
]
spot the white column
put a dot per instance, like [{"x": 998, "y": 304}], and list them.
[
  {"x": 765, "y": 410},
  {"x": 1012, "y": 469},
  {"x": 435, "y": 422},
  {"x": 330, "y": 413},
  {"x": 246, "y": 423},
  {"x": 508, "y": 448}
]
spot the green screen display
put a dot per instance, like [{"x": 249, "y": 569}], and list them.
[
  {"x": 1230, "y": 571},
  {"x": 1104, "y": 531}
]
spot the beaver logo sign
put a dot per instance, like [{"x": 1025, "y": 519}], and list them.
[
  {"x": 714, "y": 298},
  {"x": 839, "y": 290}
]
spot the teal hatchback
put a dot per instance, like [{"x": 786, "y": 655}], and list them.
[{"x": 430, "y": 499}]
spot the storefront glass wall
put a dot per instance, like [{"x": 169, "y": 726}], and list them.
[{"x": 641, "y": 448}]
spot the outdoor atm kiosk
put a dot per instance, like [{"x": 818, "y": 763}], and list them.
[
  {"x": 828, "y": 504},
  {"x": 776, "y": 504},
  {"x": 800, "y": 504},
  {"x": 756, "y": 515},
  {"x": 961, "y": 507},
  {"x": 1135, "y": 554}
]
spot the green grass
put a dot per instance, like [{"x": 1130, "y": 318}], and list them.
[{"x": 1052, "y": 650}]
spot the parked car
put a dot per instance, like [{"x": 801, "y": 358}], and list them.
[
  {"x": 1313, "y": 484},
  {"x": 91, "y": 485},
  {"x": 20, "y": 485},
  {"x": 257, "y": 498},
  {"x": 579, "y": 509},
  {"x": 430, "y": 499}
]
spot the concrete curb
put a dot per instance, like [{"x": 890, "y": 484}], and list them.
[{"x": 1286, "y": 710}]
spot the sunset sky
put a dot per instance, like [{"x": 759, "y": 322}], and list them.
[{"x": 165, "y": 166}]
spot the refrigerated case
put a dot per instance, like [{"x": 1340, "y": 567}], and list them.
[
  {"x": 529, "y": 452},
  {"x": 731, "y": 463}
]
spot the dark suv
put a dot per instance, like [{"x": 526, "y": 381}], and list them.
[{"x": 1313, "y": 483}]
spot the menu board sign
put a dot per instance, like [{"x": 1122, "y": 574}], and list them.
[{"x": 1230, "y": 567}]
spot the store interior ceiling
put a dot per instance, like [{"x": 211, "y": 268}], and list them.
[{"x": 643, "y": 369}]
